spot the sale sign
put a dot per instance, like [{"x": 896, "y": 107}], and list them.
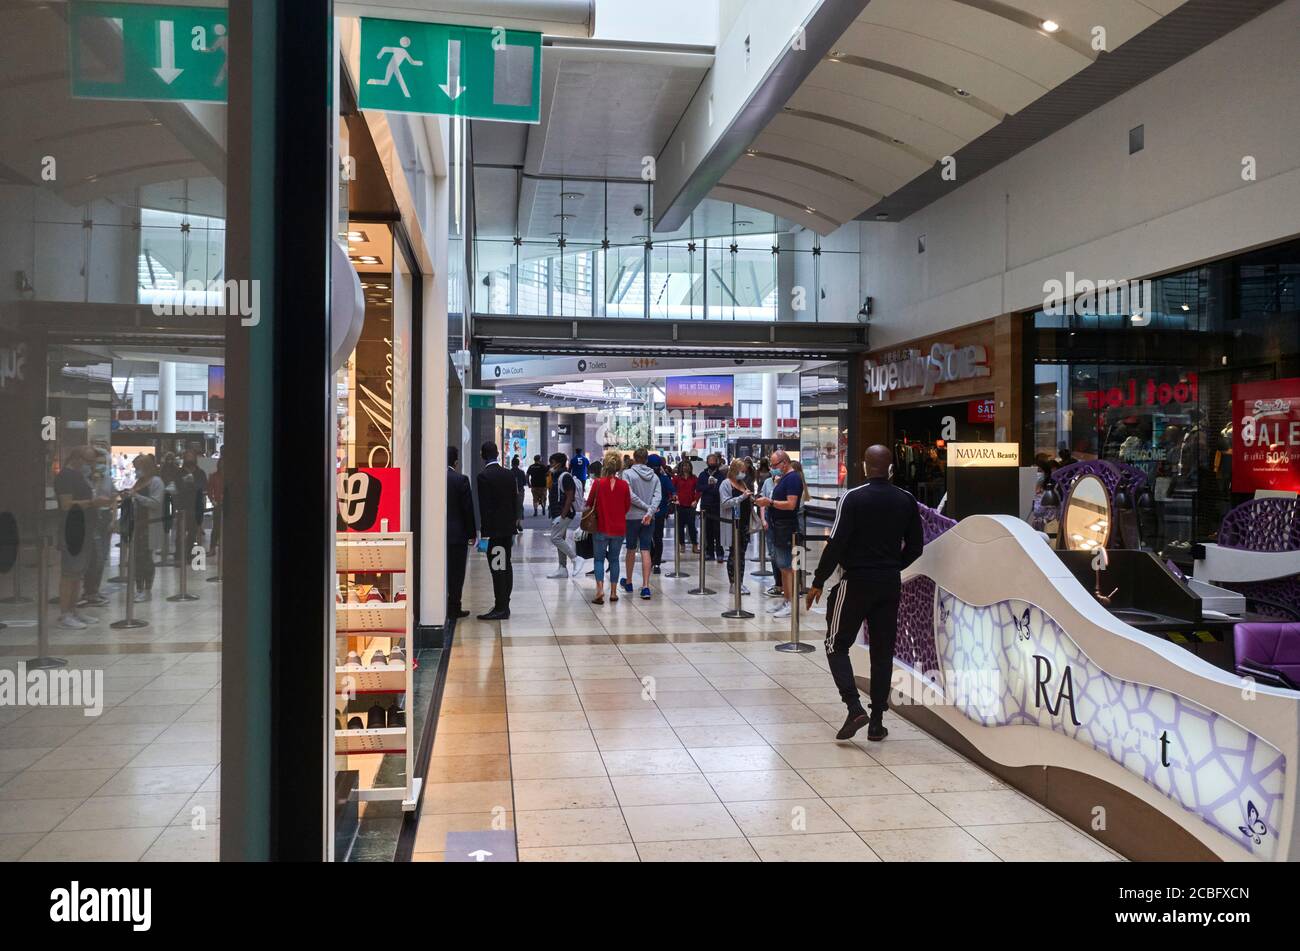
[
  {"x": 370, "y": 500},
  {"x": 1266, "y": 436}
]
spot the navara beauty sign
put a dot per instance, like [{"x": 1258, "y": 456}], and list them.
[{"x": 1266, "y": 436}]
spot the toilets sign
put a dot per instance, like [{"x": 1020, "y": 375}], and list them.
[{"x": 437, "y": 69}]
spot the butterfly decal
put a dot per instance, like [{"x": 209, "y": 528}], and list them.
[
  {"x": 1022, "y": 625},
  {"x": 1254, "y": 827}
]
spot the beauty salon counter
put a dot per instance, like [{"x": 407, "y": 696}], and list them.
[{"x": 1004, "y": 655}]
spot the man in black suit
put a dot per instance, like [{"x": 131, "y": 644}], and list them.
[
  {"x": 497, "y": 494},
  {"x": 461, "y": 532}
]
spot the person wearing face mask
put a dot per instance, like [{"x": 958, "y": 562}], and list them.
[
  {"x": 100, "y": 530},
  {"x": 876, "y": 535},
  {"x": 782, "y": 509},
  {"x": 80, "y": 507},
  {"x": 707, "y": 487}
]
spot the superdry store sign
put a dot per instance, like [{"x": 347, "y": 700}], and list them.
[
  {"x": 915, "y": 369},
  {"x": 1266, "y": 436}
]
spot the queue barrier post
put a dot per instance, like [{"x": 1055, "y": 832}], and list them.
[
  {"x": 218, "y": 515},
  {"x": 180, "y": 521},
  {"x": 763, "y": 570},
  {"x": 17, "y": 597},
  {"x": 794, "y": 645},
  {"x": 130, "y": 620},
  {"x": 738, "y": 572},
  {"x": 43, "y": 660},
  {"x": 703, "y": 587},
  {"x": 677, "y": 547}
]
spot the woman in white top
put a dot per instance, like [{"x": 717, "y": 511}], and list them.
[{"x": 734, "y": 498}]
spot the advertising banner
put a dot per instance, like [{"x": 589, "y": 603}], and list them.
[
  {"x": 712, "y": 396},
  {"x": 370, "y": 500},
  {"x": 1266, "y": 436}
]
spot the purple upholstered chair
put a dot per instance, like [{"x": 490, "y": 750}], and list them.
[{"x": 1268, "y": 652}]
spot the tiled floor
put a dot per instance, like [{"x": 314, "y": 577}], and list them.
[
  {"x": 141, "y": 780},
  {"x": 658, "y": 731}
]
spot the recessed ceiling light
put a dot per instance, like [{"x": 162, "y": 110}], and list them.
[
  {"x": 1050, "y": 26},
  {"x": 882, "y": 216},
  {"x": 571, "y": 196},
  {"x": 810, "y": 210},
  {"x": 751, "y": 153},
  {"x": 962, "y": 92},
  {"x": 743, "y": 223},
  {"x": 565, "y": 216}
]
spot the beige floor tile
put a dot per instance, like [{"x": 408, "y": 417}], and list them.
[
  {"x": 786, "y": 817},
  {"x": 556, "y": 765},
  {"x": 615, "y": 701},
  {"x": 680, "y": 822},
  {"x": 817, "y": 755},
  {"x": 1041, "y": 842},
  {"x": 543, "y": 722},
  {"x": 700, "y": 737},
  {"x": 643, "y": 738},
  {"x": 186, "y": 845},
  {"x": 581, "y": 853},
  {"x": 564, "y": 827},
  {"x": 814, "y": 847},
  {"x": 760, "y": 784},
  {"x": 888, "y": 812},
  {"x": 12, "y": 847},
  {"x": 820, "y": 732},
  {"x": 80, "y": 757},
  {"x": 591, "y": 792},
  {"x": 648, "y": 762},
  {"x": 35, "y": 815},
  {"x": 471, "y": 723},
  {"x": 529, "y": 674},
  {"x": 554, "y": 703},
  {"x": 178, "y": 754},
  {"x": 894, "y": 752},
  {"x": 100, "y": 845},
  {"x": 124, "y": 812},
  {"x": 946, "y": 777},
  {"x": 853, "y": 781},
  {"x": 698, "y": 850},
  {"x": 928, "y": 845},
  {"x": 992, "y": 807},
  {"x": 678, "y": 699},
  {"x": 784, "y": 713},
  {"x": 468, "y": 769},
  {"x": 108, "y": 734},
  {"x": 663, "y": 789},
  {"x": 539, "y": 688},
  {"x": 471, "y": 744},
  {"x": 774, "y": 696},
  {"x": 450, "y": 798},
  {"x": 553, "y": 741},
  {"x": 703, "y": 716},
  {"x": 635, "y": 718},
  {"x": 730, "y": 759},
  {"x": 55, "y": 784},
  {"x": 583, "y": 673}
]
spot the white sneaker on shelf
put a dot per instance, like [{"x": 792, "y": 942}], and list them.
[
  {"x": 71, "y": 622},
  {"x": 782, "y": 612}
]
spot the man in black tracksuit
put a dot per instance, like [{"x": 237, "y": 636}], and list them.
[{"x": 877, "y": 533}]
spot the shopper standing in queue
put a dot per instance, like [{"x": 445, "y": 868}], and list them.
[
  {"x": 686, "y": 494},
  {"x": 877, "y": 534},
  {"x": 77, "y": 500},
  {"x": 656, "y": 462},
  {"x": 646, "y": 493},
  {"x": 612, "y": 499},
  {"x": 498, "y": 496},
  {"x": 782, "y": 509},
  {"x": 736, "y": 507},
  {"x": 148, "y": 500},
  {"x": 461, "y": 532},
  {"x": 707, "y": 486}
]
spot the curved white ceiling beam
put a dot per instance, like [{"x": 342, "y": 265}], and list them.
[
  {"x": 827, "y": 195},
  {"x": 755, "y": 153},
  {"x": 810, "y": 218}
]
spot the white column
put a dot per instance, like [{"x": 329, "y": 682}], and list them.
[
  {"x": 769, "y": 406},
  {"x": 166, "y": 397}
]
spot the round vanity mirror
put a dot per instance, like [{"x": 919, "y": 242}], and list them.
[{"x": 1085, "y": 526}]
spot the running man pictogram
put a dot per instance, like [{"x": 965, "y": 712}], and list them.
[{"x": 397, "y": 56}]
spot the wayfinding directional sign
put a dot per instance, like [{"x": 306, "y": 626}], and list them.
[
  {"x": 147, "y": 52},
  {"x": 437, "y": 69}
]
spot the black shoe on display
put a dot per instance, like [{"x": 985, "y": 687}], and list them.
[
  {"x": 852, "y": 724},
  {"x": 375, "y": 718},
  {"x": 377, "y": 659},
  {"x": 877, "y": 731},
  {"x": 396, "y": 717},
  {"x": 354, "y": 723}
]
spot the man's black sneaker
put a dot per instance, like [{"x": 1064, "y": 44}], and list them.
[
  {"x": 876, "y": 731},
  {"x": 852, "y": 723}
]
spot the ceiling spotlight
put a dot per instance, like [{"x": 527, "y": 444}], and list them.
[
  {"x": 962, "y": 92},
  {"x": 1186, "y": 307},
  {"x": 743, "y": 223},
  {"x": 565, "y": 216},
  {"x": 882, "y": 216},
  {"x": 751, "y": 153},
  {"x": 810, "y": 210},
  {"x": 1050, "y": 26},
  {"x": 571, "y": 196}
]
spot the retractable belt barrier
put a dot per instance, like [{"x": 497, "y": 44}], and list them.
[{"x": 129, "y": 548}]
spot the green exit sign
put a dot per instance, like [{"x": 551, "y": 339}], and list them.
[
  {"x": 437, "y": 69},
  {"x": 146, "y": 52},
  {"x": 482, "y": 400}
]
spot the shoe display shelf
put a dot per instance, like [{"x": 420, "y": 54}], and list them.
[{"x": 368, "y": 627}]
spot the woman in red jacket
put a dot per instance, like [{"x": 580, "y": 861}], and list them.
[
  {"x": 687, "y": 494},
  {"x": 612, "y": 498}
]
